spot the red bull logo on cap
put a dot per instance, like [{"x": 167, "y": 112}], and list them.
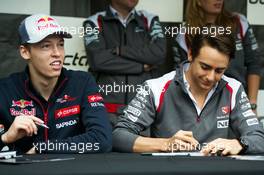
[
  {"x": 45, "y": 19},
  {"x": 22, "y": 103},
  {"x": 46, "y": 22}
]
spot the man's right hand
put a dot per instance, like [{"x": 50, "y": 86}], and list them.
[
  {"x": 181, "y": 141},
  {"x": 22, "y": 126}
]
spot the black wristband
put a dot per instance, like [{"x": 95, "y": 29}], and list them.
[
  {"x": 244, "y": 145},
  {"x": 253, "y": 106}
]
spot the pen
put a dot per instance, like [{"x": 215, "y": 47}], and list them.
[{"x": 42, "y": 125}]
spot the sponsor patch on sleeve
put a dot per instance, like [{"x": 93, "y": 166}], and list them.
[
  {"x": 95, "y": 100},
  {"x": 131, "y": 117},
  {"x": 252, "y": 121},
  {"x": 245, "y": 106},
  {"x": 248, "y": 113},
  {"x": 133, "y": 111}
]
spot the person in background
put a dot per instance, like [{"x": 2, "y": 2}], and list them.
[
  {"x": 194, "y": 107},
  {"x": 247, "y": 64},
  {"x": 46, "y": 108},
  {"x": 124, "y": 50}
]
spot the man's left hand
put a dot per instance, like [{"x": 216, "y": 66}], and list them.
[{"x": 226, "y": 146}]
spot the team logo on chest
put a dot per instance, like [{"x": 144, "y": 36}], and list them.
[
  {"x": 224, "y": 113},
  {"x": 22, "y": 103},
  {"x": 225, "y": 110},
  {"x": 68, "y": 111},
  {"x": 222, "y": 124},
  {"x": 223, "y": 119},
  {"x": 65, "y": 98},
  {"x": 22, "y": 106}
]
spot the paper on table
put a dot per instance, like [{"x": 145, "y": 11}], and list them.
[
  {"x": 7, "y": 154},
  {"x": 175, "y": 154},
  {"x": 33, "y": 159},
  {"x": 247, "y": 157}
]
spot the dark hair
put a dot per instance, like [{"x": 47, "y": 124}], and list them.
[{"x": 224, "y": 43}]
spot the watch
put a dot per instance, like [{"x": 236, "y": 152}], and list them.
[
  {"x": 253, "y": 106},
  {"x": 244, "y": 144}
]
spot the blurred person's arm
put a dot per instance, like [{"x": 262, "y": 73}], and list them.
[
  {"x": 253, "y": 61},
  {"x": 103, "y": 59},
  {"x": 253, "y": 83}
]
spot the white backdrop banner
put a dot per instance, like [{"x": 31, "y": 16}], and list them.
[
  {"x": 168, "y": 10},
  {"x": 25, "y": 6},
  {"x": 75, "y": 56},
  {"x": 255, "y": 9}
]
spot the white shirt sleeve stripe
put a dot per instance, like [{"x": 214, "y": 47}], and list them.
[
  {"x": 234, "y": 84},
  {"x": 157, "y": 85}
]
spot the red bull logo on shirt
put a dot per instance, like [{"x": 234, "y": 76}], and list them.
[
  {"x": 22, "y": 103},
  {"x": 14, "y": 112}
]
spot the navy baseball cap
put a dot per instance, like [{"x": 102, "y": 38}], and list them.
[{"x": 36, "y": 27}]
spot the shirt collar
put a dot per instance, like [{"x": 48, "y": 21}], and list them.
[
  {"x": 29, "y": 85},
  {"x": 121, "y": 19},
  {"x": 187, "y": 87}
]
